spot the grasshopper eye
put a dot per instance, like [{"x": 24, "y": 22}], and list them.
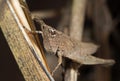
[
  {"x": 52, "y": 32},
  {"x": 43, "y": 26}
]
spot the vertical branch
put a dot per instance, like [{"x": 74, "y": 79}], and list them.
[
  {"x": 76, "y": 30},
  {"x": 77, "y": 19}
]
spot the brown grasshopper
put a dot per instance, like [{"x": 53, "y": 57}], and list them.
[{"x": 59, "y": 43}]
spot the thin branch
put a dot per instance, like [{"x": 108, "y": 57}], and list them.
[
  {"x": 77, "y": 19},
  {"x": 76, "y": 32}
]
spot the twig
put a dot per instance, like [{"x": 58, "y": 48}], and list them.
[
  {"x": 76, "y": 30},
  {"x": 44, "y": 14},
  {"x": 77, "y": 19}
]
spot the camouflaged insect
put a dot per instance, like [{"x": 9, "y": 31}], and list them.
[{"x": 64, "y": 46}]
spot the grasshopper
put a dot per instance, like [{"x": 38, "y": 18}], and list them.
[{"x": 64, "y": 46}]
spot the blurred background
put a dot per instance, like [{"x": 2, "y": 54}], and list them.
[{"x": 101, "y": 26}]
